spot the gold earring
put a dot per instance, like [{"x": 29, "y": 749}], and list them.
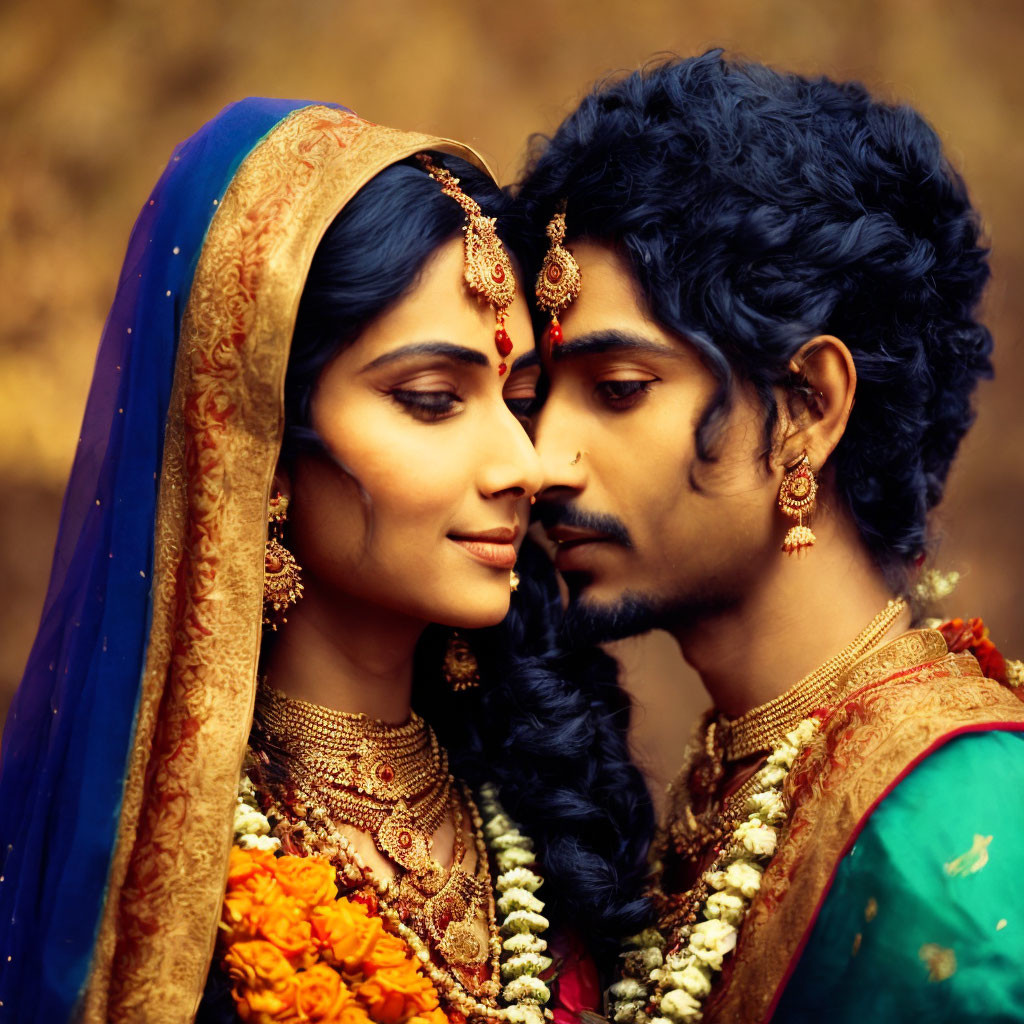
[
  {"x": 282, "y": 578},
  {"x": 797, "y": 497},
  {"x": 513, "y": 580},
  {"x": 460, "y": 665}
]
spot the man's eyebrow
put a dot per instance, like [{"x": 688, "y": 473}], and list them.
[
  {"x": 530, "y": 358},
  {"x": 444, "y": 349},
  {"x": 597, "y": 342}
]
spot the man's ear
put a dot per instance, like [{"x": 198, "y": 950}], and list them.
[{"x": 819, "y": 411}]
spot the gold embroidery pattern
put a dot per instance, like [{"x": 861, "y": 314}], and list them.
[
  {"x": 169, "y": 870},
  {"x": 869, "y": 740},
  {"x": 940, "y": 961},
  {"x": 973, "y": 860}
]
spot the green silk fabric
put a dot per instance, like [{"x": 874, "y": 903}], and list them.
[{"x": 925, "y": 918}]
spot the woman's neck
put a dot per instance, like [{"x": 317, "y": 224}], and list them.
[{"x": 345, "y": 654}]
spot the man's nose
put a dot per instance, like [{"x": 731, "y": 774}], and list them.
[{"x": 559, "y": 447}]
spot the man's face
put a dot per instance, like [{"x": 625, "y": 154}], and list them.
[{"x": 648, "y": 535}]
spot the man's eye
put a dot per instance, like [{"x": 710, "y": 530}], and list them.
[
  {"x": 427, "y": 405},
  {"x": 524, "y": 408},
  {"x": 622, "y": 394}
]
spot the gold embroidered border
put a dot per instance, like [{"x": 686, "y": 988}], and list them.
[
  {"x": 879, "y": 730},
  {"x": 223, "y": 435}
]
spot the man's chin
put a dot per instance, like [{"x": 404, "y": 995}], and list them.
[{"x": 589, "y": 620}]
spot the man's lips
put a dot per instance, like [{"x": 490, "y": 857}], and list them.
[
  {"x": 492, "y": 547},
  {"x": 572, "y": 536}
]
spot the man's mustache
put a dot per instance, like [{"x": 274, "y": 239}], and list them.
[{"x": 551, "y": 514}]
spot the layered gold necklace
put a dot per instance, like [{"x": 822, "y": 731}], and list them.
[
  {"x": 761, "y": 729},
  {"x": 392, "y": 783},
  {"x": 697, "y": 818}
]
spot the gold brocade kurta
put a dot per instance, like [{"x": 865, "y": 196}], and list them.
[{"x": 900, "y": 704}]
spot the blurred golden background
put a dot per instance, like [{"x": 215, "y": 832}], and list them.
[{"x": 95, "y": 93}]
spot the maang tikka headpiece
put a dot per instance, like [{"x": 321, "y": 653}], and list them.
[
  {"x": 559, "y": 280},
  {"x": 488, "y": 272}
]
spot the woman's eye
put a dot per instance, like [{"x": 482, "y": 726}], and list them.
[
  {"x": 623, "y": 394},
  {"x": 427, "y": 405}
]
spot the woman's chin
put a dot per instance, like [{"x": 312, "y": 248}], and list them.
[{"x": 486, "y": 610}]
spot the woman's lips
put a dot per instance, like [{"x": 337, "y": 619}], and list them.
[{"x": 495, "y": 548}]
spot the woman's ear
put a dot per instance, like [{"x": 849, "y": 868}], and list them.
[{"x": 821, "y": 409}]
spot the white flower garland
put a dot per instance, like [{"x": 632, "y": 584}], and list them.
[
  {"x": 685, "y": 978},
  {"x": 521, "y": 920}
]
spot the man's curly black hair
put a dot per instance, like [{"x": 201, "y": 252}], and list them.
[{"x": 759, "y": 209}]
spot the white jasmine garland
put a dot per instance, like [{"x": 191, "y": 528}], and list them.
[
  {"x": 675, "y": 990},
  {"x": 518, "y": 878},
  {"x": 524, "y": 942},
  {"x": 251, "y": 827},
  {"x": 521, "y": 912},
  {"x": 519, "y": 899}
]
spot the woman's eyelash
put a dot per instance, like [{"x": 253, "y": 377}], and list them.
[{"x": 426, "y": 405}]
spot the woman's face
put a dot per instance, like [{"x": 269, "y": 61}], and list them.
[{"x": 417, "y": 413}]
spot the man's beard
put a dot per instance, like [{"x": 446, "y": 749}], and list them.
[{"x": 586, "y": 623}]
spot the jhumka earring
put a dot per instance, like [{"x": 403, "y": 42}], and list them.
[
  {"x": 558, "y": 283},
  {"x": 488, "y": 269},
  {"x": 460, "y": 667},
  {"x": 282, "y": 581},
  {"x": 797, "y": 497}
]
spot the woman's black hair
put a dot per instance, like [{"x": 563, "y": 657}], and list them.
[{"x": 548, "y": 728}]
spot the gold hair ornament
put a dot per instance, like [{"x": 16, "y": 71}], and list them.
[
  {"x": 488, "y": 269},
  {"x": 558, "y": 283}
]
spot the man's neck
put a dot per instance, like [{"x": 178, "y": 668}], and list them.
[{"x": 798, "y": 616}]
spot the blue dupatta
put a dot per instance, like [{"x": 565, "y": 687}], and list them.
[{"x": 130, "y": 722}]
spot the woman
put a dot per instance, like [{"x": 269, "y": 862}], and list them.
[{"x": 405, "y": 481}]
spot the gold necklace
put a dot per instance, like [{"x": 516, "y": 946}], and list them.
[
  {"x": 687, "y": 836},
  {"x": 391, "y": 782},
  {"x": 762, "y": 728}
]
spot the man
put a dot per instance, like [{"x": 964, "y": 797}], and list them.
[{"x": 755, "y": 398}]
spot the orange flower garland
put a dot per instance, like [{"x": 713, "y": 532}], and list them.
[{"x": 298, "y": 954}]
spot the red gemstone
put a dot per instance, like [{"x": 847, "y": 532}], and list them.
[
  {"x": 555, "y": 333},
  {"x": 498, "y": 273},
  {"x": 503, "y": 341},
  {"x": 404, "y": 840},
  {"x": 385, "y": 773},
  {"x": 502, "y": 369}
]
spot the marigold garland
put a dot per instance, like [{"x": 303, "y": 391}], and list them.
[{"x": 297, "y": 952}]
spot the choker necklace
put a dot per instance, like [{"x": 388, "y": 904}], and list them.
[
  {"x": 392, "y": 783},
  {"x": 761, "y": 729}
]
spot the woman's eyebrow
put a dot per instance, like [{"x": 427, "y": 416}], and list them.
[{"x": 445, "y": 349}]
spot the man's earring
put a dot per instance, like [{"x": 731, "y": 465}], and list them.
[
  {"x": 282, "y": 579},
  {"x": 460, "y": 667},
  {"x": 797, "y": 497}
]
